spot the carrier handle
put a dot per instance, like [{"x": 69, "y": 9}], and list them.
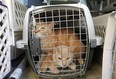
[{"x": 76, "y": 1}]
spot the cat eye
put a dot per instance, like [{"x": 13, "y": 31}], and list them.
[
  {"x": 42, "y": 28},
  {"x": 68, "y": 58},
  {"x": 59, "y": 58}
]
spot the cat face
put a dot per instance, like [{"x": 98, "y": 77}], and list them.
[
  {"x": 62, "y": 56},
  {"x": 43, "y": 29}
]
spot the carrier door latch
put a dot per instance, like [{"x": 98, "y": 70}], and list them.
[
  {"x": 96, "y": 41},
  {"x": 93, "y": 43},
  {"x": 20, "y": 44}
]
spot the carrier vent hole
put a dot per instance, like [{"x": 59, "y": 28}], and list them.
[
  {"x": 2, "y": 48},
  {"x": 1, "y": 37},
  {"x": 3, "y": 60},
  {"x": 1, "y": 10},
  {"x": 1, "y": 23}
]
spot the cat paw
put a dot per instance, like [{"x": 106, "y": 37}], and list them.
[
  {"x": 81, "y": 61},
  {"x": 42, "y": 69},
  {"x": 72, "y": 66},
  {"x": 55, "y": 71}
]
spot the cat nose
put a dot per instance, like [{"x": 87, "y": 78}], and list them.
[{"x": 64, "y": 64}]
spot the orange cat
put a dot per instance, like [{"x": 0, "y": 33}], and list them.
[
  {"x": 61, "y": 58},
  {"x": 51, "y": 38}
]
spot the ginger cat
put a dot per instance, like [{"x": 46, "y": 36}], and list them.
[
  {"x": 51, "y": 38},
  {"x": 44, "y": 32},
  {"x": 61, "y": 58}
]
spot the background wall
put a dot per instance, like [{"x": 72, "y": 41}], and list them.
[{"x": 28, "y": 3}]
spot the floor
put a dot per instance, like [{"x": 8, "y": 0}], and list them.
[{"x": 93, "y": 73}]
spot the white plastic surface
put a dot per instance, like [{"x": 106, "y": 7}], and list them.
[
  {"x": 20, "y": 44},
  {"x": 16, "y": 18},
  {"x": 108, "y": 46},
  {"x": 100, "y": 24},
  {"x": 5, "y": 63},
  {"x": 99, "y": 40}
]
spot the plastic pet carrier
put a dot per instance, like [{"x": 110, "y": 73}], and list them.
[
  {"x": 107, "y": 22},
  {"x": 59, "y": 39},
  {"x": 100, "y": 24},
  {"x": 16, "y": 17},
  {"x": 5, "y": 63}
]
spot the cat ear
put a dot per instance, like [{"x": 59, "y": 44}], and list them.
[
  {"x": 50, "y": 25},
  {"x": 56, "y": 49}
]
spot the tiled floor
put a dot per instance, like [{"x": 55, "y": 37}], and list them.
[{"x": 93, "y": 73}]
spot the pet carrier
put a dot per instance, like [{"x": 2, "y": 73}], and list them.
[
  {"x": 100, "y": 24},
  {"x": 59, "y": 39},
  {"x": 106, "y": 27},
  {"x": 16, "y": 16},
  {"x": 5, "y": 64}
]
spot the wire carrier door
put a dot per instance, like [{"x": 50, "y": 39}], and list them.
[{"x": 60, "y": 27}]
